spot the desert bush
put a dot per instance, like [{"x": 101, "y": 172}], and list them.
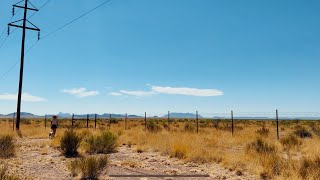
[
  {"x": 152, "y": 126},
  {"x": 261, "y": 147},
  {"x": 103, "y": 143},
  {"x": 263, "y": 131},
  {"x": 88, "y": 167},
  {"x": 189, "y": 126},
  {"x": 289, "y": 142},
  {"x": 315, "y": 129},
  {"x": 302, "y": 132},
  {"x": 310, "y": 168},
  {"x": 216, "y": 123},
  {"x": 114, "y": 121},
  {"x": 70, "y": 142},
  {"x": 7, "y": 147},
  {"x": 272, "y": 164}
]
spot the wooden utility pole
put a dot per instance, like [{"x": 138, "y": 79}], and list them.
[
  {"x": 232, "y": 122},
  {"x": 23, "y": 27}
]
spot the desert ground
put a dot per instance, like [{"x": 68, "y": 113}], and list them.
[{"x": 162, "y": 151}]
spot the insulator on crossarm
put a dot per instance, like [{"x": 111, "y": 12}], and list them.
[
  {"x": 12, "y": 11},
  {"x": 38, "y": 35},
  {"x": 8, "y": 30}
]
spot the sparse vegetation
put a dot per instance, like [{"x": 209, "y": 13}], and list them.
[
  {"x": 70, "y": 142},
  {"x": 289, "y": 142},
  {"x": 104, "y": 143},
  {"x": 153, "y": 126},
  {"x": 302, "y": 132},
  {"x": 263, "y": 131},
  {"x": 260, "y": 146},
  {"x": 88, "y": 167},
  {"x": 7, "y": 147}
]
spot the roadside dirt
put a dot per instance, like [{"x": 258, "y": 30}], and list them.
[{"x": 35, "y": 159}]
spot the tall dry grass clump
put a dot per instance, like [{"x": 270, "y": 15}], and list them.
[
  {"x": 70, "y": 142},
  {"x": 310, "y": 168},
  {"x": 290, "y": 142},
  {"x": 302, "y": 132},
  {"x": 88, "y": 167},
  {"x": 104, "y": 143},
  {"x": 261, "y": 147},
  {"x": 7, "y": 147}
]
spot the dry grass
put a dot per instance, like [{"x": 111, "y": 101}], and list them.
[{"x": 249, "y": 150}]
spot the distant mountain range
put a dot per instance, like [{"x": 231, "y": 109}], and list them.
[{"x": 172, "y": 115}]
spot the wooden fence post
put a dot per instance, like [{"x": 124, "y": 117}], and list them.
[
  {"x": 232, "y": 122},
  {"x": 110, "y": 121},
  {"x": 95, "y": 121},
  {"x": 125, "y": 122},
  {"x": 45, "y": 121},
  {"x": 277, "y": 117},
  {"x": 72, "y": 119},
  {"x": 145, "y": 120},
  {"x": 87, "y": 120},
  {"x": 197, "y": 119},
  {"x": 13, "y": 119},
  {"x": 168, "y": 120}
]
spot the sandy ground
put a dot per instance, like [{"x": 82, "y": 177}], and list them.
[{"x": 35, "y": 159}]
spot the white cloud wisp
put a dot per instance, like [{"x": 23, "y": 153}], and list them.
[
  {"x": 80, "y": 92},
  {"x": 25, "y": 97}
]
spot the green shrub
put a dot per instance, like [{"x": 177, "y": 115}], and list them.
[
  {"x": 106, "y": 142},
  {"x": 261, "y": 147},
  {"x": 88, "y": 167},
  {"x": 289, "y": 142},
  {"x": 7, "y": 147},
  {"x": 152, "y": 126},
  {"x": 70, "y": 142}
]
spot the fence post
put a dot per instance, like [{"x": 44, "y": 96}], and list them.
[
  {"x": 95, "y": 121},
  {"x": 232, "y": 122},
  {"x": 14, "y": 117},
  {"x": 110, "y": 121},
  {"x": 125, "y": 121},
  {"x": 72, "y": 119},
  {"x": 87, "y": 120},
  {"x": 197, "y": 119},
  {"x": 277, "y": 117},
  {"x": 145, "y": 120},
  {"x": 168, "y": 120},
  {"x": 45, "y": 121}
]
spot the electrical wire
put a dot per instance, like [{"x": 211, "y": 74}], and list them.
[
  {"x": 74, "y": 20},
  {"x": 65, "y": 25}
]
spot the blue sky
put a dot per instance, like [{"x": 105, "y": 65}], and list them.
[{"x": 179, "y": 55}]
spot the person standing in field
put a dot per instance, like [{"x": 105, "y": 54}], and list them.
[{"x": 54, "y": 125}]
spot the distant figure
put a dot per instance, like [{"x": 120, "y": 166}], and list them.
[{"x": 54, "y": 126}]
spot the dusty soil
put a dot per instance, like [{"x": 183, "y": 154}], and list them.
[{"x": 35, "y": 159}]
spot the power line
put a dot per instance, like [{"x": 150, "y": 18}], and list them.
[
  {"x": 4, "y": 29},
  {"x": 40, "y": 8},
  {"x": 65, "y": 25},
  {"x": 74, "y": 20}
]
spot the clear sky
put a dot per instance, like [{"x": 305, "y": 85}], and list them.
[{"x": 158, "y": 55}]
